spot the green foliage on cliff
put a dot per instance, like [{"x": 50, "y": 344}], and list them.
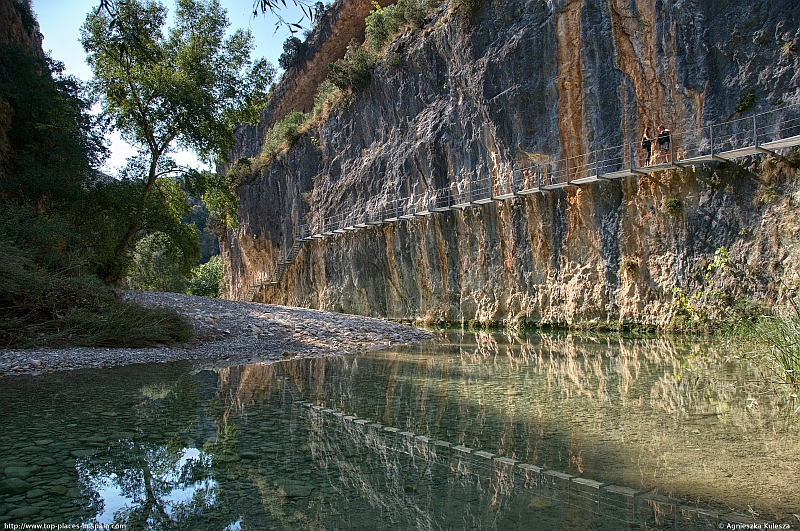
[
  {"x": 281, "y": 137},
  {"x": 673, "y": 207},
  {"x": 353, "y": 72},
  {"x": 23, "y": 7},
  {"x": 294, "y": 52},
  {"x": 747, "y": 102},
  {"x": 384, "y": 24},
  {"x": 711, "y": 304},
  {"x": 467, "y": 7}
]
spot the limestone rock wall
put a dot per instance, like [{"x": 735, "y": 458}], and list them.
[
  {"x": 17, "y": 25},
  {"x": 474, "y": 97},
  {"x": 341, "y": 23}
]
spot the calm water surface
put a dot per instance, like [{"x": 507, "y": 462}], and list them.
[{"x": 475, "y": 431}]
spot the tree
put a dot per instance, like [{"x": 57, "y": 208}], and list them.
[
  {"x": 185, "y": 88},
  {"x": 294, "y": 51},
  {"x": 207, "y": 279},
  {"x": 52, "y": 144}
]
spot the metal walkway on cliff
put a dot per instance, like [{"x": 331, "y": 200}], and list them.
[{"x": 765, "y": 133}]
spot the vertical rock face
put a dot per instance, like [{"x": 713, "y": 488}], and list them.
[
  {"x": 474, "y": 98},
  {"x": 17, "y": 27}
]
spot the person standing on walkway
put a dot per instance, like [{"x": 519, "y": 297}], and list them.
[
  {"x": 647, "y": 145},
  {"x": 664, "y": 139}
]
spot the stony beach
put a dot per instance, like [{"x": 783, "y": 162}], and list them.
[{"x": 228, "y": 333}]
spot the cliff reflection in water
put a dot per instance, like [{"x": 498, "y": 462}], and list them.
[
  {"x": 474, "y": 431},
  {"x": 670, "y": 416}
]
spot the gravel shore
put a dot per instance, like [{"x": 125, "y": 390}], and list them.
[{"x": 228, "y": 333}]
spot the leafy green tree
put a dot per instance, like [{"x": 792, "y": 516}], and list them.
[
  {"x": 311, "y": 10},
  {"x": 187, "y": 87},
  {"x": 52, "y": 144},
  {"x": 207, "y": 278},
  {"x": 209, "y": 245},
  {"x": 155, "y": 267},
  {"x": 50, "y": 149}
]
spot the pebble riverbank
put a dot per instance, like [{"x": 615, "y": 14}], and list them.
[{"x": 228, "y": 333}]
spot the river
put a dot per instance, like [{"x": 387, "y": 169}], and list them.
[{"x": 469, "y": 431}]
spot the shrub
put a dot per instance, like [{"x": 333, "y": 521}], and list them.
[
  {"x": 384, "y": 24},
  {"x": 208, "y": 279},
  {"x": 294, "y": 53},
  {"x": 327, "y": 96},
  {"x": 788, "y": 47},
  {"x": 352, "y": 73},
  {"x": 281, "y": 137},
  {"x": 381, "y": 26},
  {"x": 673, "y": 207},
  {"x": 467, "y": 7},
  {"x": 241, "y": 172},
  {"x": 155, "y": 266},
  {"x": 747, "y": 102},
  {"x": 40, "y": 308},
  {"x": 290, "y": 129},
  {"x": 628, "y": 265}
]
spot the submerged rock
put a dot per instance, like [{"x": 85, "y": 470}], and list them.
[
  {"x": 13, "y": 486},
  {"x": 21, "y": 472}
]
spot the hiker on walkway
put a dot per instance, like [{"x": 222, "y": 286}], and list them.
[
  {"x": 647, "y": 145},
  {"x": 664, "y": 139}
]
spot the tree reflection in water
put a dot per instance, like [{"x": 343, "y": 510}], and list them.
[{"x": 151, "y": 480}]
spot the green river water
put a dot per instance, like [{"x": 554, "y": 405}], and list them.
[{"x": 471, "y": 431}]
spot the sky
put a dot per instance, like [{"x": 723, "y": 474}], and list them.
[{"x": 60, "y": 22}]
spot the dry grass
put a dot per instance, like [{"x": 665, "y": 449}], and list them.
[{"x": 40, "y": 308}]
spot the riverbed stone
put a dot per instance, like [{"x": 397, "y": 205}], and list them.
[
  {"x": 82, "y": 453},
  {"x": 226, "y": 458},
  {"x": 32, "y": 449},
  {"x": 24, "y": 512},
  {"x": 295, "y": 489},
  {"x": 13, "y": 486},
  {"x": 21, "y": 472},
  {"x": 289, "y": 330}
]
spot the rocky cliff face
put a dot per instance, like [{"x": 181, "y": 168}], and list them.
[
  {"x": 478, "y": 96},
  {"x": 17, "y": 27}
]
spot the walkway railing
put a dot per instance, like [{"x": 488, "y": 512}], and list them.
[{"x": 767, "y": 132}]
